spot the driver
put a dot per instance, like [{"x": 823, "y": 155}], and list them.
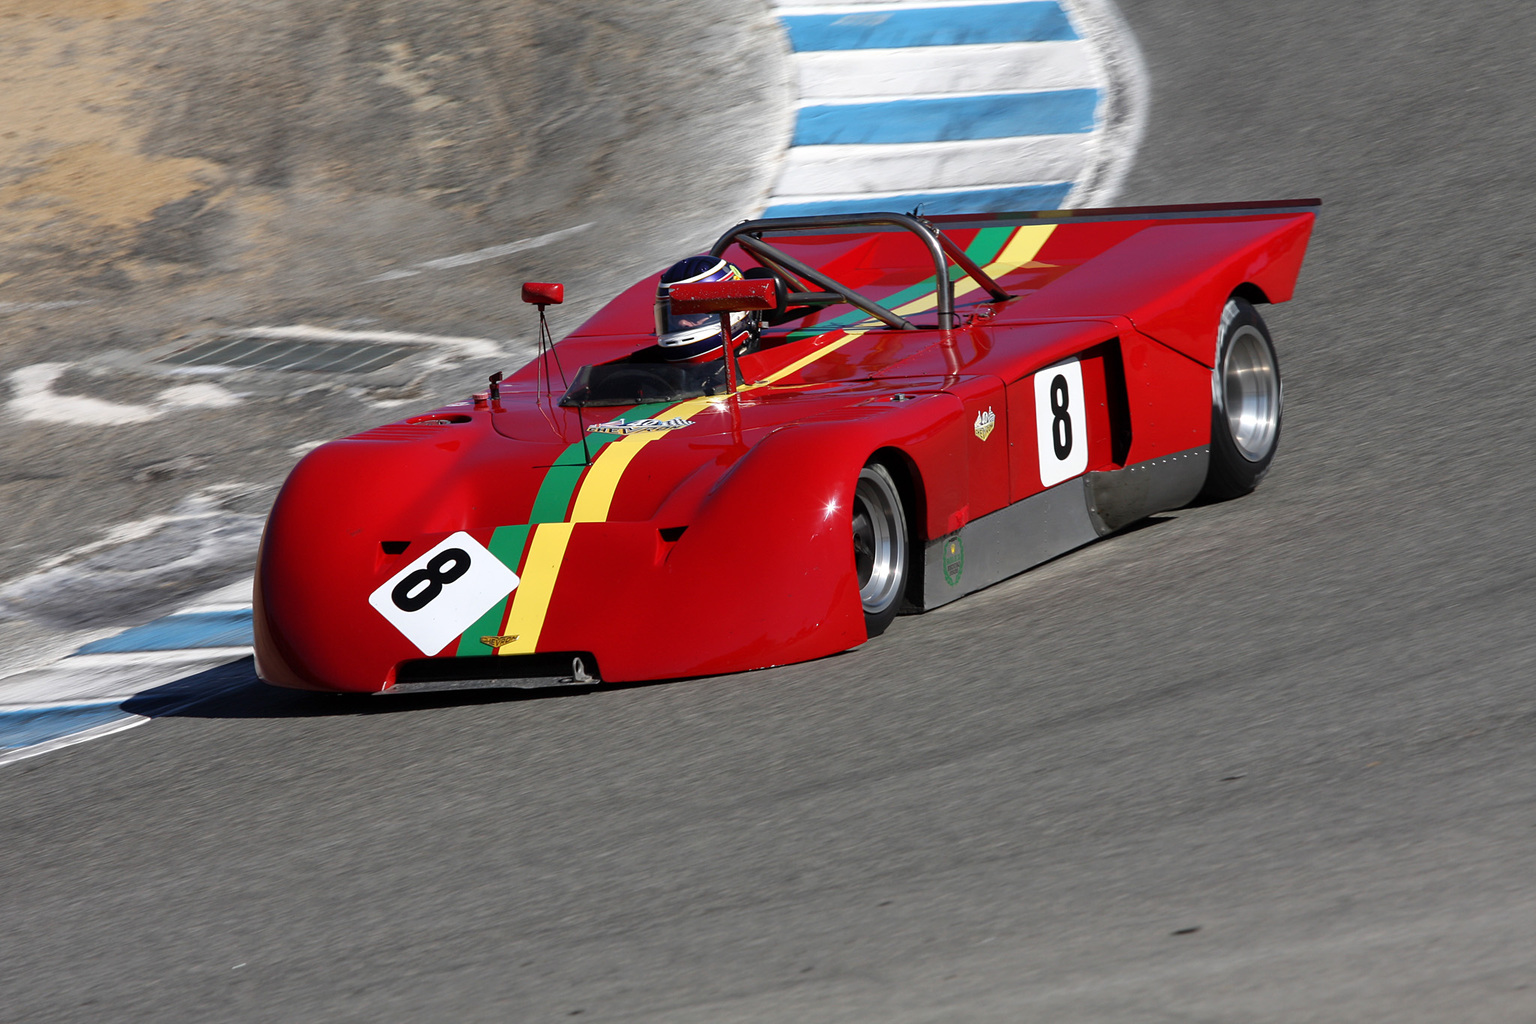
[{"x": 695, "y": 337}]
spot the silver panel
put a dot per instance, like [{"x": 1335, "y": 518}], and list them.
[
  {"x": 1119, "y": 497},
  {"x": 1007, "y": 542},
  {"x": 1055, "y": 521}
]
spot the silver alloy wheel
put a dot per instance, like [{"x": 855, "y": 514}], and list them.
[
  {"x": 1250, "y": 383},
  {"x": 879, "y": 540}
]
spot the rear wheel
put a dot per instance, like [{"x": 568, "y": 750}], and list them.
[
  {"x": 1245, "y": 404},
  {"x": 880, "y": 547}
]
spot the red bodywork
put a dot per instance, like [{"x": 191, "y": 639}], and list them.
[{"x": 722, "y": 544}]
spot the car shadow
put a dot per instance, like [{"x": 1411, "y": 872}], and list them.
[{"x": 233, "y": 691}]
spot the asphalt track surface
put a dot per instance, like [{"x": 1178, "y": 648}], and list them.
[{"x": 1264, "y": 761}]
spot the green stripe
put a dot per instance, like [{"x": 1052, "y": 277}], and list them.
[
  {"x": 982, "y": 250},
  {"x": 553, "y": 501},
  {"x": 506, "y": 544},
  {"x": 551, "y": 505}
]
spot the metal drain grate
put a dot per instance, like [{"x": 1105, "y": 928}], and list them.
[{"x": 267, "y": 354}]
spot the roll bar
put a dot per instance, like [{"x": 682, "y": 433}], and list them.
[{"x": 749, "y": 235}]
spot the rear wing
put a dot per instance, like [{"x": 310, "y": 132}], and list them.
[{"x": 1186, "y": 211}]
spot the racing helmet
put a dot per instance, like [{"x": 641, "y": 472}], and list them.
[{"x": 695, "y": 337}]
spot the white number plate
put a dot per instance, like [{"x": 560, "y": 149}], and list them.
[
  {"x": 439, "y": 595},
  {"x": 1060, "y": 426}
]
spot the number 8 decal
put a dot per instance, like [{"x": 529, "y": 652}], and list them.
[
  {"x": 442, "y": 593},
  {"x": 1059, "y": 424}
]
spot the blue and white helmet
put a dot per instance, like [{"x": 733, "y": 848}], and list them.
[{"x": 693, "y": 337}]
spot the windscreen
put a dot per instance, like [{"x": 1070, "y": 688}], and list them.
[{"x": 633, "y": 383}]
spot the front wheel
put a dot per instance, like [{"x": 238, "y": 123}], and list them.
[
  {"x": 880, "y": 548},
  {"x": 1245, "y": 404}
]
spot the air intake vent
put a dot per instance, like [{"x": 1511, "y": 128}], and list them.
[
  {"x": 524, "y": 671},
  {"x": 398, "y": 432}
]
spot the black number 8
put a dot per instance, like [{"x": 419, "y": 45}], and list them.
[
  {"x": 446, "y": 567},
  {"x": 1061, "y": 426}
]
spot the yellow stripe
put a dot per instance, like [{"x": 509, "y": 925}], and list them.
[
  {"x": 597, "y": 488},
  {"x": 1022, "y": 248},
  {"x": 541, "y": 570},
  {"x": 800, "y": 364},
  {"x": 530, "y": 601}
]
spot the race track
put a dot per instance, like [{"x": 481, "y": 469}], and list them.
[{"x": 1264, "y": 761}]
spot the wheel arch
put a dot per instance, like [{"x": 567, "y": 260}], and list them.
[
  {"x": 909, "y": 483},
  {"x": 1251, "y": 293},
  {"x": 908, "y": 476}
]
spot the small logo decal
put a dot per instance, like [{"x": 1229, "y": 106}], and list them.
[
  {"x": 620, "y": 427},
  {"x": 498, "y": 642},
  {"x": 985, "y": 421},
  {"x": 954, "y": 559}
]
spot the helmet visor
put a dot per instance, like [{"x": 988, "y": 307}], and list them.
[{"x": 676, "y": 322}]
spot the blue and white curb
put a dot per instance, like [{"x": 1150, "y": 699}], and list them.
[
  {"x": 958, "y": 105},
  {"x": 92, "y": 693}
]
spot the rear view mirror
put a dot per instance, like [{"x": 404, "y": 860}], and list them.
[
  {"x": 543, "y": 293},
  {"x": 721, "y": 296}
]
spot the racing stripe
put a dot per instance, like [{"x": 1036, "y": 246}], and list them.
[
  {"x": 602, "y": 480},
  {"x": 508, "y": 543},
  {"x": 1007, "y": 249},
  {"x": 983, "y": 248},
  {"x": 1022, "y": 248},
  {"x": 529, "y": 604},
  {"x": 530, "y": 601},
  {"x": 800, "y": 364}
]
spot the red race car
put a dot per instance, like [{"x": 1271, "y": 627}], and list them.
[{"x": 784, "y": 443}]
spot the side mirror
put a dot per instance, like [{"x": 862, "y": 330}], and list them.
[
  {"x": 725, "y": 298},
  {"x": 543, "y": 293},
  {"x": 780, "y": 288},
  {"x": 722, "y": 296}
]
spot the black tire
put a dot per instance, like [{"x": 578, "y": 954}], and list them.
[
  {"x": 881, "y": 549},
  {"x": 1246, "y": 404}
]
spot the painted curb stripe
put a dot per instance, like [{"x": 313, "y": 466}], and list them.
[
  {"x": 28, "y": 727},
  {"x": 877, "y": 28},
  {"x": 85, "y": 735},
  {"x": 225, "y": 628},
  {"x": 948, "y": 118},
  {"x": 843, "y": 75},
  {"x": 814, "y": 172},
  {"x": 1018, "y": 197},
  {"x": 905, "y": 91}
]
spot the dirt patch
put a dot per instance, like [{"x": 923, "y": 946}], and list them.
[
  {"x": 73, "y": 174},
  {"x": 258, "y": 159},
  {"x": 56, "y": 10},
  {"x": 106, "y": 185}
]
